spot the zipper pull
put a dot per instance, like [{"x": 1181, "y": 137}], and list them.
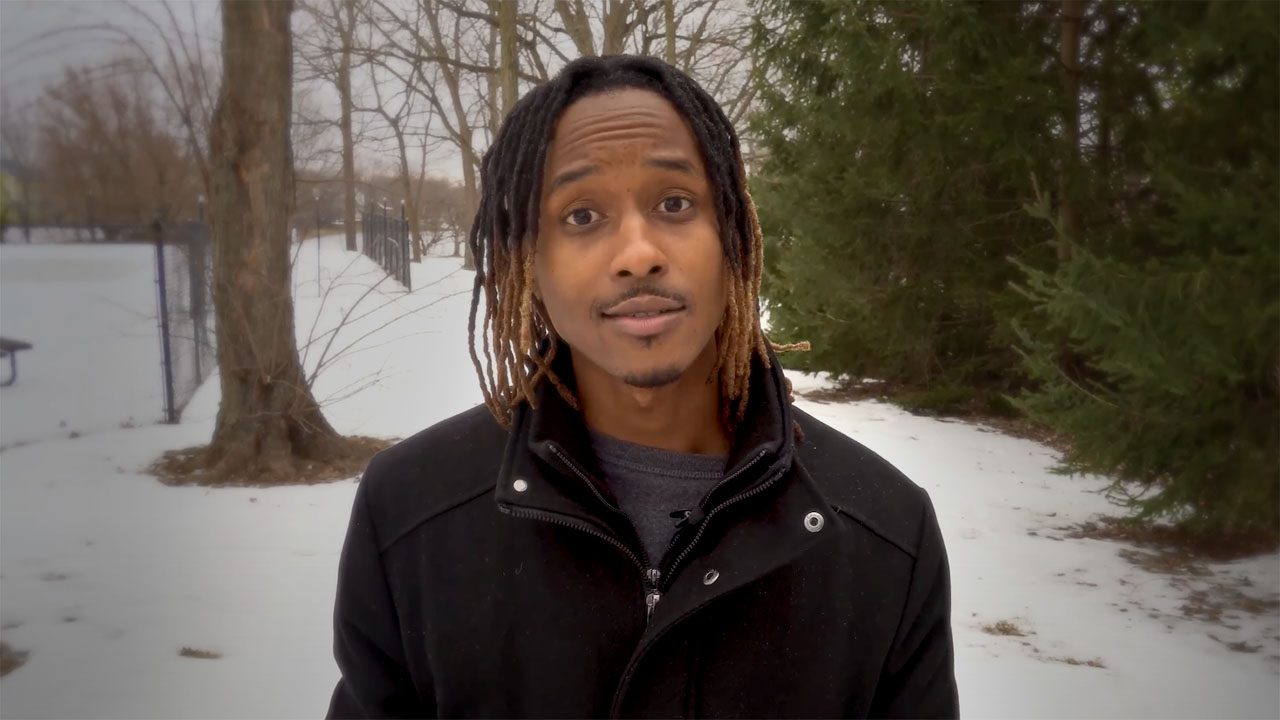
[
  {"x": 688, "y": 518},
  {"x": 652, "y": 575},
  {"x": 650, "y": 602}
]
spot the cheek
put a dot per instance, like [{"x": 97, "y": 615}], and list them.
[
  {"x": 552, "y": 286},
  {"x": 715, "y": 275}
]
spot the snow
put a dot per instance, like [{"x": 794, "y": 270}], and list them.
[
  {"x": 105, "y": 573},
  {"x": 89, "y": 312},
  {"x": 49, "y": 234}
]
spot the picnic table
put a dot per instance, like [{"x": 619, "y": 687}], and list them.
[{"x": 9, "y": 348}]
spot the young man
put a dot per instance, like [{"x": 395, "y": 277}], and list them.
[{"x": 637, "y": 522}]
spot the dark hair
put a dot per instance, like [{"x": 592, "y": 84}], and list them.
[{"x": 517, "y": 341}]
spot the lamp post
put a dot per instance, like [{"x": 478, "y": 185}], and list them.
[
  {"x": 315, "y": 194},
  {"x": 92, "y": 234},
  {"x": 200, "y": 207}
]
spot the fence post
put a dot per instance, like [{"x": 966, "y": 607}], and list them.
[
  {"x": 170, "y": 411},
  {"x": 195, "y": 272},
  {"x": 405, "y": 271}
]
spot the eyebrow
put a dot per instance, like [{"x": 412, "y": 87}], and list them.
[
  {"x": 573, "y": 175},
  {"x": 679, "y": 165}
]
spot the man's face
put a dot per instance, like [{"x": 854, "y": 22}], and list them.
[{"x": 629, "y": 262}]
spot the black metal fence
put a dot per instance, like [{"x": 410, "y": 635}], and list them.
[
  {"x": 385, "y": 239},
  {"x": 184, "y": 274},
  {"x": 184, "y": 298}
]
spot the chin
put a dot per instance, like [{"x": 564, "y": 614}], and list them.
[{"x": 652, "y": 377}]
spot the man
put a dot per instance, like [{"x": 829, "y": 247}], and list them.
[{"x": 637, "y": 522}]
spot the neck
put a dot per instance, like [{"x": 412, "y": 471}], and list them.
[{"x": 683, "y": 416}]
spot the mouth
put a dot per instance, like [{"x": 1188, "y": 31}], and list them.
[
  {"x": 644, "y": 323},
  {"x": 642, "y": 314},
  {"x": 644, "y": 317}
]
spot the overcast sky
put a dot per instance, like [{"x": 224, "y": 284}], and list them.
[{"x": 39, "y": 39}]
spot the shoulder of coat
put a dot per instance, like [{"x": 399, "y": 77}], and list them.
[
  {"x": 861, "y": 485},
  {"x": 434, "y": 471}
]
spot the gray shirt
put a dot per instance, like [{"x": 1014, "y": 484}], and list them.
[{"x": 650, "y": 484}]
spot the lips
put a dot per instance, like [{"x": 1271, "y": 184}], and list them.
[
  {"x": 645, "y": 316},
  {"x": 643, "y": 306}
]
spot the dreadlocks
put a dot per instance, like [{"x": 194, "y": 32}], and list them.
[{"x": 517, "y": 340}]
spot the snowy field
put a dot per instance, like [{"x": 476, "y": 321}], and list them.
[
  {"x": 105, "y": 574},
  {"x": 89, "y": 312}
]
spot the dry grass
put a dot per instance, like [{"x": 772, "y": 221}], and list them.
[
  {"x": 1094, "y": 663},
  {"x": 1178, "y": 542},
  {"x": 11, "y": 659},
  {"x": 1004, "y": 627},
  {"x": 188, "y": 466}
]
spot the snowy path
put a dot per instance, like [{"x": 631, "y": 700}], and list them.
[{"x": 105, "y": 574}]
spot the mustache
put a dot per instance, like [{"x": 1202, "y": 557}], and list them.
[{"x": 603, "y": 307}]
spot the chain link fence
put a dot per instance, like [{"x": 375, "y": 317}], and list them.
[{"x": 184, "y": 274}]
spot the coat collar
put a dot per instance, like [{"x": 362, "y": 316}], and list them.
[{"x": 549, "y": 449}]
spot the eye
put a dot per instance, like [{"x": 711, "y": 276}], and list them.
[
  {"x": 676, "y": 204},
  {"x": 581, "y": 217}
]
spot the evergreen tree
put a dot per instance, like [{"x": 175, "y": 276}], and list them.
[
  {"x": 911, "y": 156},
  {"x": 900, "y": 140},
  {"x": 1156, "y": 346}
]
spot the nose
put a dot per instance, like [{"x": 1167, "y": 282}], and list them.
[{"x": 637, "y": 255}]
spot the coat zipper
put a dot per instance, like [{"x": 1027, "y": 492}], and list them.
[
  {"x": 649, "y": 575},
  {"x": 675, "y": 564},
  {"x": 626, "y": 676},
  {"x": 558, "y": 519}
]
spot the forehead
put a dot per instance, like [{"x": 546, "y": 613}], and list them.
[{"x": 620, "y": 125}]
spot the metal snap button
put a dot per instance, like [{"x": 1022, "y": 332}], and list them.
[
  {"x": 520, "y": 485},
  {"x": 710, "y": 577},
  {"x": 813, "y": 522}
]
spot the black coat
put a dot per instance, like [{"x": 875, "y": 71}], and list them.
[{"x": 488, "y": 573}]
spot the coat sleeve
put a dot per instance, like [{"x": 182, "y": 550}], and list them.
[
  {"x": 367, "y": 644},
  {"x": 919, "y": 675}
]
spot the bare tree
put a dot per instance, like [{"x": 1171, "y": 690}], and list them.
[
  {"x": 428, "y": 39},
  {"x": 486, "y": 51},
  {"x": 155, "y": 40},
  {"x": 328, "y": 53},
  {"x": 269, "y": 427},
  {"x": 105, "y": 145},
  {"x": 508, "y": 68},
  {"x": 398, "y": 88},
  {"x": 186, "y": 75},
  {"x": 602, "y": 28}
]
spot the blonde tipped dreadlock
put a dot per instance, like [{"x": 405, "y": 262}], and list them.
[{"x": 517, "y": 341}]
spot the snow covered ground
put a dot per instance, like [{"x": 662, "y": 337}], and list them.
[
  {"x": 50, "y": 234},
  {"x": 90, "y": 313},
  {"x": 105, "y": 574}
]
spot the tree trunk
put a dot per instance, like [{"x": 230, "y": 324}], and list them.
[
  {"x": 463, "y": 128},
  {"x": 1072, "y": 12},
  {"x": 508, "y": 72},
  {"x": 471, "y": 195},
  {"x": 669, "y": 23},
  {"x": 577, "y": 25},
  {"x": 346, "y": 22},
  {"x": 614, "y": 36},
  {"x": 410, "y": 197},
  {"x": 268, "y": 420}
]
